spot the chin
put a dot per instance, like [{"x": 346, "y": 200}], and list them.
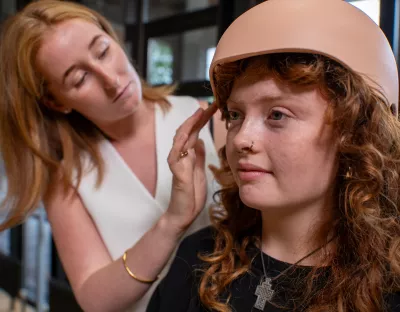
[
  {"x": 130, "y": 106},
  {"x": 260, "y": 199}
]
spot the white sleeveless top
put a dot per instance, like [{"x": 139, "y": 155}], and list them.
[{"x": 122, "y": 208}]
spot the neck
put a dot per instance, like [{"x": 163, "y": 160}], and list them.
[
  {"x": 131, "y": 126},
  {"x": 292, "y": 236}
]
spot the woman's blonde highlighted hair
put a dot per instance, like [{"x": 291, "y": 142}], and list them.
[{"x": 33, "y": 138}]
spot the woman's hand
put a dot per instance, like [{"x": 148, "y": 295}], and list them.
[{"x": 187, "y": 163}]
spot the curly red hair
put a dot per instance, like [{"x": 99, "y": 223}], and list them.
[{"x": 365, "y": 264}]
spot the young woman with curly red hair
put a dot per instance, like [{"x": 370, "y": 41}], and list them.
[{"x": 309, "y": 207}]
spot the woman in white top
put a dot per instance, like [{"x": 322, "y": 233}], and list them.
[{"x": 82, "y": 132}]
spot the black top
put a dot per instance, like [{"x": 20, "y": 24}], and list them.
[{"x": 178, "y": 291}]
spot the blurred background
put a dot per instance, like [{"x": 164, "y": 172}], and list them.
[{"x": 168, "y": 41}]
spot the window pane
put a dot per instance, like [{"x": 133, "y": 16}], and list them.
[
  {"x": 371, "y": 7},
  {"x": 130, "y": 11},
  {"x": 7, "y": 7},
  {"x": 183, "y": 57},
  {"x": 37, "y": 255},
  {"x": 155, "y": 9},
  {"x": 161, "y": 59},
  {"x": 113, "y": 10},
  {"x": 5, "y": 242}
]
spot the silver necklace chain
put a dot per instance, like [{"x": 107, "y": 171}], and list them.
[{"x": 264, "y": 290}]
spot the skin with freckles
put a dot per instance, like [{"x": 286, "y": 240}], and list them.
[{"x": 292, "y": 162}]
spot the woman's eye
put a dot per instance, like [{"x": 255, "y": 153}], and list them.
[
  {"x": 232, "y": 115},
  {"x": 81, "y": 81},
  {"x": 103, "y": 54}
]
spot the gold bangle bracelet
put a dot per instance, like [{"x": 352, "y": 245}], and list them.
[{"x": 133, "y": 275}]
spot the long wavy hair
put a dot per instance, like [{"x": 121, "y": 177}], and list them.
[
  {"x": 33, "y": 138},
  {"x": 365, "y": 263}
]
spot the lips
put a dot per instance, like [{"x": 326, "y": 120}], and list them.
[
  {"x": 249, "y": 172},
  {"x": 251, "y": 167}
]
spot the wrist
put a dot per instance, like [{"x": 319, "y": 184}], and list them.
[{"x": 168, "y": 229}]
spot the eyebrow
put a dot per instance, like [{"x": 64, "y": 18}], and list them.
[
  {"x": 71, "y": 68},
  {"x": 265, "y": 98}
]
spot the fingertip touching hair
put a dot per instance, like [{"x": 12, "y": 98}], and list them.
[
  {"x": 36, "y": 143},
  {"x": 365, "y": 264}
]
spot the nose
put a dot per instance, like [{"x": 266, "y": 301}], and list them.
[
  {"x": 110, "y": 80},
  {"x": 245, "y": 139}
]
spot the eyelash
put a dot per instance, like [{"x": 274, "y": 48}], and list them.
[
  {"x": 81, "y": 81},
  {"x": 228, "y": 115},
  {"x": 103, "y": 54}
]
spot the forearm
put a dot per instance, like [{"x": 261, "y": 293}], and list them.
[{"x": 112, "y": 288}]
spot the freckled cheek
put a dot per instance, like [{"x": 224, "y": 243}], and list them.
[
  {"x": 90, "y": 101},
  {"x": 119, "y": 62},
  {"x": 306, "y": 163},
  {"x": 127, "y": 66},
  {"x": 132, "y": 75},
  {"x": 289, "y": 158},
  {"x": 231, "y": 152},
  {"x": 123, "y": 63}
]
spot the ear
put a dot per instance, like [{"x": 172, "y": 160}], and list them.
[{"x": 51, "y": 104}]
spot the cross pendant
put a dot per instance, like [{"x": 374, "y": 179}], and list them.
[{"x": 264, "y": 293}]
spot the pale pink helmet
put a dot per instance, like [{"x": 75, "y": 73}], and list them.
[{"x": 333, "y": 28}]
